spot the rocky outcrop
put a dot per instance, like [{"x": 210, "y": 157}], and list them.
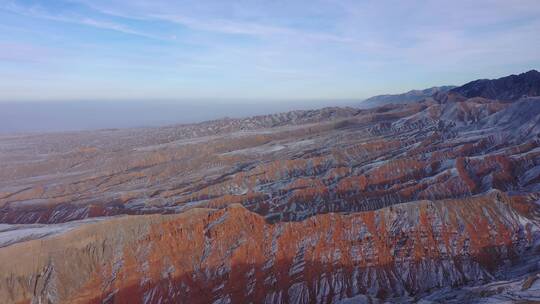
[
  {"x": 507, "y": 88},
  {"x": 232, "y": 255},
  {"x": 373, "y": 159},
  {"x": 391, "y": 203},
  {"x": 408, "y": 97}
]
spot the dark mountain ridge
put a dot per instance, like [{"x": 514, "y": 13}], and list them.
[{"x": 507, "y": 88}]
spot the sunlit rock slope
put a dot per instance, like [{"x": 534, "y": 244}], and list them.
[{"x": 435, "y": 200}]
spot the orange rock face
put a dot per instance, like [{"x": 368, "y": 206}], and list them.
[
  {"x": 299, "y": 207},
  {"x": 234, "y": 255},
  {"x": 326, "y": 161}
]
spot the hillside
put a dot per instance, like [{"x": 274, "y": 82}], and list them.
[
  {"x": 435, "y": 200},
  {"x": 507, "y": 88},
  {"x": 408, "y": 97}
]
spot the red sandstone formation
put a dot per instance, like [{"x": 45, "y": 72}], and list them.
[
  {"x": 390, "y": 203},
  {"x": 233, "y": 255}
]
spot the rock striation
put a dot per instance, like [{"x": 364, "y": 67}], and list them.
[
  {"x": 436, "y": 200},
  {"x": 232, "y": 255},
  {"x": 352, "y": 161}
]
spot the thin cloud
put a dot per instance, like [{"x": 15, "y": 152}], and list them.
[
  {"x": 272, "y": 48},
  {"x": 216, "y": 25},
  {"x": 35, "y": 12},
  {"x": 285, "y": 72}
]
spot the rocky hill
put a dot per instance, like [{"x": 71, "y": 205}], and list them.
[
  {"x": 506, "y": 88},
  {"x": 408, "y": 97},
  {"x": 432, "y": 200},
  {"x": 232, "y": 255}
]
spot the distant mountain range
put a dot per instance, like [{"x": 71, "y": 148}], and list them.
[
  {"x": 507, "y": 88},
  {"x": 408, "y": 97}
]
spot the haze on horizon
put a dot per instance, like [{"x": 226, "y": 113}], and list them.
[{"x": 255, "y": 50}]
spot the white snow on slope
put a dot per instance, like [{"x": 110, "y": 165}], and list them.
[{"x": 12, "y": 234}]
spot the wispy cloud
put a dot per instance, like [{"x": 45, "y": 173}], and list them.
[
  {"x": 214, "y": 24},
  {"x": 37, "y": 12},
  {"x": 248, "y": 28},
  {"x": 286, "y": 72},
  {"x": 338, "y": 48}
]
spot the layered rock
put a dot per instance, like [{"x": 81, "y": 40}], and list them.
[
  {"x": 232, "y": 255},
  {"x": 400, "y": 203},
  {"x": 369, "y": 160}
]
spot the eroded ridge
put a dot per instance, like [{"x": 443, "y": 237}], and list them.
[
  {"x": 330, "y": 160},
  {"x": 234, "y": 255}
]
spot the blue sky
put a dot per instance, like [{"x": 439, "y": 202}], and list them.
[{"x": 257, "y": 50}]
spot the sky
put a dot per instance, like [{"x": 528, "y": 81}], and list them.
[{"x": 257, "y": 50}]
